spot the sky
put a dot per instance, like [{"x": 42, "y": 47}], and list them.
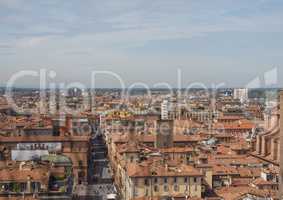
[{"x": 143, "y": 42}]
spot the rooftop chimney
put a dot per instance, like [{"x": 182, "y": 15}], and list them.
[
  {"x": 132, "y": 133},
  {"x": 68, "y": 123},
  {"x": 56, "y": 126}
]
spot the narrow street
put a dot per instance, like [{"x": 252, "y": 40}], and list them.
[
  {"x": 100, "y": 184},
  {"x": 100, "y": 179}
]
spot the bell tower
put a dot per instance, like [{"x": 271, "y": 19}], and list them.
[{"x": 164, "y": 138}]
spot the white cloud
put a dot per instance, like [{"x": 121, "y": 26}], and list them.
[{"x": 32, "y": 42}]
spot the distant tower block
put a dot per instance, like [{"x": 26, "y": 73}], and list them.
[
  {"x": 164, "y": 137},
  {"x": 164, "y": 110},
  {"x": 241, "y": 94}
]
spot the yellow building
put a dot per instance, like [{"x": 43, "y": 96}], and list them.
[{"x": 153, "y": 179}]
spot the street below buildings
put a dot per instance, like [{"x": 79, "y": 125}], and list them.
[{"x": 100, "y": 175}]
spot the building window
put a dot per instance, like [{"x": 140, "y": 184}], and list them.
[
  {"x": 146, "y": 181},
  {"x": 166, "y": 189},
  {"x": 10, "y": 186},
  {"x": 175, "y": 179},
  {"x": 155, "y": 180},
  {"x": 80, "y": 163},
  {"x": 176, "y": 188},
  {"x": 195, "y": 180},
  {"x": 187, "y": 187},
  {"x": 23, "y": 187},
  {"x": 165, "y": 180},
  {"x": 155, "y": 188},
  {"x": 146, "y": 192},
  {"x": 35, "y": 186},
  {"x": 186, "y": 180}
]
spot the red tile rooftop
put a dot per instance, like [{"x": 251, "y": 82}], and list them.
[
  {"x": 234, "y": 126},
  {"x": 235, "y": 193},
  {"x": 156, "y": 169},
  {"x": 238, "y": 182},
  {"x": 230, "y": 117},
  {"x": 177, "y": 150},
  {"x": 123, "y": 137},
  {"x": 224, "y": 170},
  {"x": 261, "y": 182},
  {"x": 42, "y": 138},
  {"x": 22, "y": 171}
]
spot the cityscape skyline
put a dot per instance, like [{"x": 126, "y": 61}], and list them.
[{"x": 141, "y": 100}]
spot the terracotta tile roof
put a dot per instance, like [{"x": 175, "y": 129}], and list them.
[
  {"x": 123, "y": 137},
  {"x": 237, "y": 182},
  {"x": 261, "y": 182},
  {"x": 224, "y": 170},
  {"x": 42, "y": 138},
  {"x": 13, "y": 172},
  {"x": 229, "y": 117},
  {"x": 241, "y": 124},
  {"x": 248, "y": 172},
  {"x": 235, "y": 193},
  {"x": 139, "y": 170},
  {"x": 272, "y": 169},
  {"x": 134, "y": 147},
  {"x": 177, "y": 150}
]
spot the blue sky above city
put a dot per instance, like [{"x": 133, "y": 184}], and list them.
[{"x": 219, "y": 41}]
